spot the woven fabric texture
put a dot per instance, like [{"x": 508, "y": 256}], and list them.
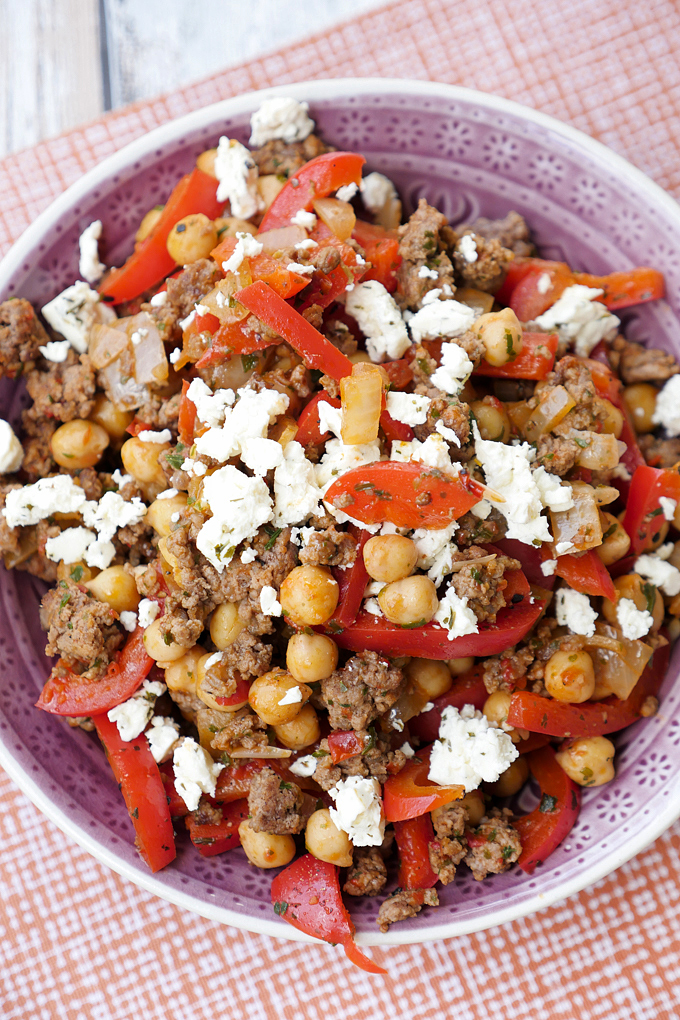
[{"x": 79, "y": 943}]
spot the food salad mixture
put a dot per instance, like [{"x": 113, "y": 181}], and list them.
[{"x": 353, "y": 527}]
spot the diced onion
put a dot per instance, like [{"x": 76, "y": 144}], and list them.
[
  {"x": 554, "y": 405},
  {"x": 151, "y": 364},
  {"x": 338, "y": 216},
  {"x": 106, "y": 344},
  {"x": 262, "y": 752},
  {"x": 579, "y": 528},
  {"x": 599, "y": 451},
  {"x": 618, "y": 668},
  {"x": 361, "y": 396},
  {"x": 478, "y": 300},
  {"x": 283, "y": 237},
  {"x": 220, "y": 299}
]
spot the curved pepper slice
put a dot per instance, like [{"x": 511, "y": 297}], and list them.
[
  {"x": 468, "y": 689},
  {"x": 586, "y": 573},
  {"x": 344, "y": 744},
  {"x": 413, "y": 836},
  {"x": 352, "y": 583},
  {"x": 218, "y": 837},
  {"x": 410, "y": 793},
  {"x": 307, "y": 895},
  {"x": 319, "y": 178},
  {"x": 644, "y": 515},
  {"x": 309, "y": 423},
  {"x": 544, "y": 828}
]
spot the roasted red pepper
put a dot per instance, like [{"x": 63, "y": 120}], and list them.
[
  {"x": 309, "y": 426},
  {"x": 410, "y": 793},
  {"x": 534, "y": 361},
  {"x": 319, "y": 178},
  {"x": 176, "y": 805},
  {"x": 352, "y": 583},
  {"x": 264, "y": 267},
  {"x": 381, "y": 248},
  {"x": 468, "y": 689},
  {"x": 586, "y": 573},
  {"x": 218, "y": 837},
  {"x": 344, "y": 744},
  {"x": 629, "y": 287},
  {"x": 328, "y": 287},
  {"x": 413, "y": 836},
  {"x": 544, "y": 828},
  {"x": 307, "y": 895},
  {"x": 395, "y": 430},
  {"x": 644, "y": 515}
]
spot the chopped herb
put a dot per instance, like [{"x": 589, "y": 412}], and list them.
[
  {"x": 135, "y": 813},
  {"x": 285, "y": 786},
  {"x": 167, "y": 637},
  {"x": 649, "y": 592},
  {"x": 273, "y": 535},
  {"x": 610, "y": 531},
  {"x": 476, "y": 575},
  {"x": 249, "y": 361},
  {"x": 320, "y": 753},
  {"x": 65, "y": 599},
  {"x": 506, "y": 852},
  {"x": 587, "y": 774},
  {"x": 77, "y": 573},
  {"x": 547, "y": 804},
  {"x": 280, "y": 908}
]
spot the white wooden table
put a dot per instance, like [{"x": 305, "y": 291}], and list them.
[{"x": 64, "y": 62}]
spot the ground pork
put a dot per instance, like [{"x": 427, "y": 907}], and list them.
[
  {"x": 160, "y": 414},
  {"x": 367, "y": 875},
  {"x": 330, "y": 547},
  {"x": 206, "y": 813},
  {"x": 472, "y": 529},
  {"x": 423, "y": 241},
  {"x": 574, "y": 374},
  {"x": 489, "y": 268},
  {"x": 37, "y": 433},
  {"x": 243, "y": 729},
  {"x": 362, "y": 690},
  {"x": 636, "y": 363},
  {"x": 449, "y": 848},
  {"x": 377, "y": 762},
  {"x": 188, "y": 704},
  {"x": 274, "y": 805},
  {"x": 295, "y": 382},
  {"x": 502, "y": 672},
  {"x": 405, "y": 903},
  {"x": 62, "y": 391},
  {"x": 183, "y": 292},
  {"x": 660, "y": 453},
  {"x": 482, "y": 584},
  {"x": 454, "y": 415},
  {"x": 21, "y": 336},
  {"x": 247, "y": 658},
  {"x": 340, "y": 336},
  {"x": 284, "y": 158},
  {"x": 79, "y": 627},
  {"x": 556, "y": 454},
  {"x": 512, "y": 232},
  {"x": 494, "y": 845}
]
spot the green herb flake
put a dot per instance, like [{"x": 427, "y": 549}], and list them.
[
  {"x": 280, "y": 908},
  {"x": 547, "y": 804}
]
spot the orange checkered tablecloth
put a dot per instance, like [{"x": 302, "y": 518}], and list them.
[{"x": 77, "y": 941}]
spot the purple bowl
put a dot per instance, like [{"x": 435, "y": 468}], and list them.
[{"x": 469, "y": 154}]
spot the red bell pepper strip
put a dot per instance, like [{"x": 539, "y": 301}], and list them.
[
  {"x": 307, "y": 895},
  {"x": 544, "y": 828},
  {"x": 399, "y": 373},
  {"x": 319, "y": 178},
  {"x": 644, "y": 515},
  {"x": 344, "y": 744},
  {"x": 150, "y": 262},
  {"x": 136, "y": 426},
  {"x": 534, "y": 361},
  {"x": 520, "y": 290},
  {"x": 529, "y": 556},
  {"x": 317, "y": 351},
  {"x": 218, "y": 837},
  {"x": 233, "y": 782},
  {"x": 176, "y": 805},
  {"x": 309, "y": 426},
  {"x": 629, "y": 287},
  {"x": 327, "y": 287},
  {"x": 186, "y": 421},
  {"x": 142, "y": 787},
  {"x": 264, "y": 267},
  {"x": 352, "y": 583},
  {"x": 240, "y": 695},
  {"x": 381, "y": 248},
  {"x": 410, "y": 793},
  {"x": 67, "y": 693},
  {"x": 586, "y": 573},
  {"x": 409, "y": 495},
  {"x": 395, "y": 430},
  {"x": 414, "y": 836},
  {"x": 232, "y": 339},
  {"x": 532, "y": 743},
  {"x": 468, "y": 689}
]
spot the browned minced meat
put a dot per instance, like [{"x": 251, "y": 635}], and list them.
[
  {"x": 452, "y": 413},
  {"x": 248, "y": 657},
  {"x": 294, "y": 382},
  {"x": 160, "y": 414},
  {"x": 313, "y": 315},
  {"x": 636, "y": 363},
  {"x": 511, "y": 231},
  {"x": 93, "y": 484},
  {"x": 206, "y": 813},
  {"x": 489, "y": 268},
  {"x": 279, "y": 157},
  {"x": 423, "y": 242},
  {"x": 183, "y": 292},
  {"x": 449, "y": 848},
  {"x": 21, "y": 336},
  {"x": 368, "y": 874},
  {"x": 473, "y": 529},
  {"x": 662, "y": 453},
  {"x": 501, "y": 848},
  {"x": 574, "y": 374},
  {"x": 557, "y": 454},
  {"x": 378, "y": 762},
  {"x": 79, "y": 627},
  {"x": 366, "y": 687},
  {"x": 405, "y": 903},
  {"x": 274, "y": 805},
  {"x": 501, "y": 672},
  {"x": 37, "y": 433},
  {"x": 340, "y": 336},
  {"x": 188, "y": 704},
  {"x": 482, "y": 584},
  {"x": 331, "y": 547},
  {"x": 243, "y": 729},
  {"x": 63, "y": 391}
]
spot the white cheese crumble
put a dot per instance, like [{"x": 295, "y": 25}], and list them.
[
  {"x": 554, "y": 494},
  {"x": 185, "y": 323},
  {"x": 455, "y": 616},
  {"x": 435, "y": 550},
  {"x": 246, "y": 247},
  {"x": 467, "y": 246},
  {"x": 291, "y": 697},
  {"x": 90, "y": 268},
  {"x": 210, "y": 407},
  {"x": 434, "y": 452},
  {"x": 11, "y": 450},
  {"x": 634, "y": 622},
  {"x": 669, "y": 506},
  {"x": 543, "y": 283},
  {"x": 548, "y": 567},
  {"x": 347, "y": 192},
  {"x": 249, "y": 418},
  {"x": 580, "y": 319},
  {"x": 306, "y": 245},
  {"x": 132, "y": 715},
  {"x": 379, "y": 319},
  {"x": 372, "y": 606},
  {"x": 280, "y": 117},
  {"x": 296, "y": 492},
  {"x": 70, "y": 546},
  {"x": 441, "y": 319},
  {"x": 167, "y": 494},
  {"x": 470, "y": 750},
  {"x": 195, "y": 772},
  {"x": 147, "y": 611},
  {"x": 408, "y": 408},
  {"x": 162, "y": 734},
  {"x": 106, "y": 516},
  {"x": 120, "y": 479},
  {"x": 298, "y": 267},
  {"x": 270, "y": 605},
  {"x": 407, "y": 749},
  {"x": 239, "y": 506},
  {"x": 236, "y": 172},
  {"x": 55, "y": 351},
  {"x": 330, "y": 418},
  {"x": 128, "y": 620},
  {"x": 248, "y": 555},
  {"x": 149, "y": 436},
  {"x": 304, "y": 766},
  {"x": 508, "y": 473},
  {"x": 47, "y": 496},
  {"x": 158, "y": 300},
  {"x": 454, "y": 371},
  {"x": 428, "y": 274},
  {"x": 72, "y": 314},
  {"x": 667, "y": 409},
  {"x": 305, "y": 219},
  {"x": 573, "y": 610},
  {"x": 175, "y": 355},
  {"x": 358, "y": 810},
  {"x": 661, "y": 574},
  {"x": 376, "y": 191},
  {"x": 261, "y": 455}
]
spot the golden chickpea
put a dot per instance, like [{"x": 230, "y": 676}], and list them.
[
  {"x": 640, "y": 399},
  {"x": 110, "y": 417},
  {"x": 613, "y": 422},
  {"x": 674, "y": 558},
  {"x": 309, "y": 596},
  {"x": 148, "y": 223},
  {"x": 311, "y": 657},
  {"x": 206, "y": 162},
  {"x": 512, "y": 780},
  {"x": 589, "y": 761},
  {"x": 501, "y": 334},
  {"x": 267, "y": 692},
  {"x": 181, "y": 675},
  {"x": 430, "y": 677},
  {"x": 141, "y": 461},
  {"x": 300, "y": 732},
  {"x": 390, "y": 557},
  {"x": 264, "y": 849},
  {"x": 78, "y": 444},
  {"x": 117, "y": 588},
  {"x": 225, "y": 625},
  {"x": 497, "y": 706},
  {"x": 492, "y": 419},
  {"x": 326, "y": 842},
  {"x": 268, "y": 186},
  {"x": 161, "y": 511},
  {"x": 78, "y": 572},
  {"x": 475, "y": 806},
  {"x": 192, "y": 238},
  {"x": 160, "y": 644},
  {"x": 617, "y": 543},
  {"x": 410, "y": 601},
  {"x": 635, "y": 588},
  {"x": 459, "y": 666},
  {"x": 570, "y": 676}
]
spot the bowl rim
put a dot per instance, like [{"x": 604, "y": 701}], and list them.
[{"x": 315, "y": 90}]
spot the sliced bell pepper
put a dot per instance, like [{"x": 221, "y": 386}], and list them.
[
  {"x": 399, "y": 373},
  {"x": 410, "y": 793},
  {"x": 586, "y": 573},
  {"x": 234, "y": 338},
  {"x": 344, "y": 744},
  {"x": 307, "y": 895},
  {"x": 176, "y": 805},
  {"x": 319, "y": 178},
  {"x": 150, "y": 262},
  {"x": 309, "y": 429},
  {"x": 534, "y": 361},
  {"x": 264, "y": 267},
  {"x": 544, "y": 828},
  {"x": 136, "y": 426},
  {"x": 328, "y": 287},
  {"x": 142, "y": 787},
  {"x": 529, "y": 556},
  {"x": 186, "y": 421},
  {"x": 468, "y": 689},
  {"x": 381, "y": 249},
  {"x": 408, "y": 495},
  {"x": 352, "y": 583},
  {"x": 317, "y": 351},
  {"x": 644, "y": 515},
  {"x": 218, "y": 837},
  {"x": 395, "y": 431},
  {"x": 67, "y": 693},
  {"x": 629, "y": 287},
  {"x": 240, "y": 695},
  {"x": 233, "y": 782},
  {"x": 413, "y": 836}
]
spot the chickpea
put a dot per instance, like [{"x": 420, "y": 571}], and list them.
[
  {"x": 613, "y": 422},
  {"x": 264, "y": 849},
  {"x": 110, "y": 417},
  {"x": 492, "y": 419},
  {"x": 617, "y": 543},
  {"x": 309, "y": 596},
  {"x": 588, "y": 760},
  {"x": 148, "y": 223},
  {"x": 117, "y": 588},
  {"x": 160, "y": 512},
  {"x": 501, "y": 334},
  {"x": 360, "y": 357},
  {"x": 512, "y": 780},
  {"x": 640, "y": 399},
  {"x": 230, "y": 226},
  {"x": 78, "y": 572},
  {"x": 206, "y": 162},
  {"x": 429, "y": 677},
  {"x": 160, "y": 644},
  {"x": 268, "y": 186},
  {"x": 191, "y": 238},
  {"x": 141, "y": 461},
  {"x": 302, "y": 731},
  {"x": 390, "y": 557},
  {"x": 496, "y": 708},
  {"x": 325, "y": 841},
  {"x": 225, "y": 625},
  {"x": 181, "y": 674},
  {"x": 311, "y": 657},
  {"x": 570, "y": 676},
  {"x": 412, "y": 600},
  {"x": 674, "y": 558},
  {"x": 78, "y": 444},
  {"x": 458, "y": 666},
  {"x": 632, "y": 586},
  {"x": 267, "y": 691}
]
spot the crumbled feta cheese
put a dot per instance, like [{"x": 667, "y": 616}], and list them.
[
  {"x": 408, "y": 408},
  {"x": 661, "y": 574},
  {"x": 132, "y": 715},
  {"x": 185, "y": 323},
  {"x": 667, "y": 409},
  {"x": 621, "y": 471},
  {"x": 580, "y": 319},
  {"x": 482, "y": 509},
  {"x": 298, "y": 267},
  {"x": 347, "y": 192},
  {"x": 376, "y": 191},
  {"x": 407, "y": 749},
  {"x": 454, "y": 370},
  {"x": 70, "y": 546},
  {"x": 431, "y": 298},
  {"x": 55, "y": 351},
  {"x": 441, "y": 319},
  {"x": 213, "y": 660},
  {"x": 470, "y": 750},
  {"x": 467, "y": 246},
  {"x": 72, "y": 314},
  {"x": 291, "y": 697},
  {"x": 543, "y": 283},
  {"x": 280, "y": 117},
  {"x": 138, "y": 335},
  {"x": 455, "y": 616},
  {"x": 372, "y": 606},
  {"x": 554, "y": 494},
  {"x": 573, "y": 610},
  {"x": 236, "y": 172},
  {"x": 120, "y": 479},
  {"x": 175, "y": 355},
  {"x": 548, "y": 567},
  {"x": 669, "y": 506},
  {"x": 210, "y": 407},
  {"x": 304, "y": 219},
  {"x": 158, "y": 300},
  {"x": 306, "y": 245},
  {"x": 634, "y": 622},
  {"x": 167, "y": 494},
  {"x": 261, "y": 455},
  {"x": 358, "y": 810},
  {"x": 330, "y": 418},
  {"x": 247, "y": 246},
  {"x": 248, "y": 555},
  {"x": 239, "y": 506},
  {"x": 195, "y": 772},
  {"x": 379, "y": 319},
  {"x": 270, "y": 605},
  {"x": 128, "y": 620},
  {"x": 147, "y": 611},
  {"x": 296, "y": 490},
  {"x": 428, "y": 274},
  {"x": 427, "y": 707},
  {"x": 106, "y": 516},
  {"x": 249, "y": 418},
  {"x": 90, "y": 268},
  {"x": 149, "y": 436},
  {"x": 47, "y": 496},
  {"x": 304, "y": 766},
  {"x": 435, "y": 550},
  {"x": 508, "y": 473},
  {"x": 11, "y": 450},
  {"x": 434, "y": 452},
  {"x": 175, "y": 517},
  {"x": 162, "y": 734}
]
